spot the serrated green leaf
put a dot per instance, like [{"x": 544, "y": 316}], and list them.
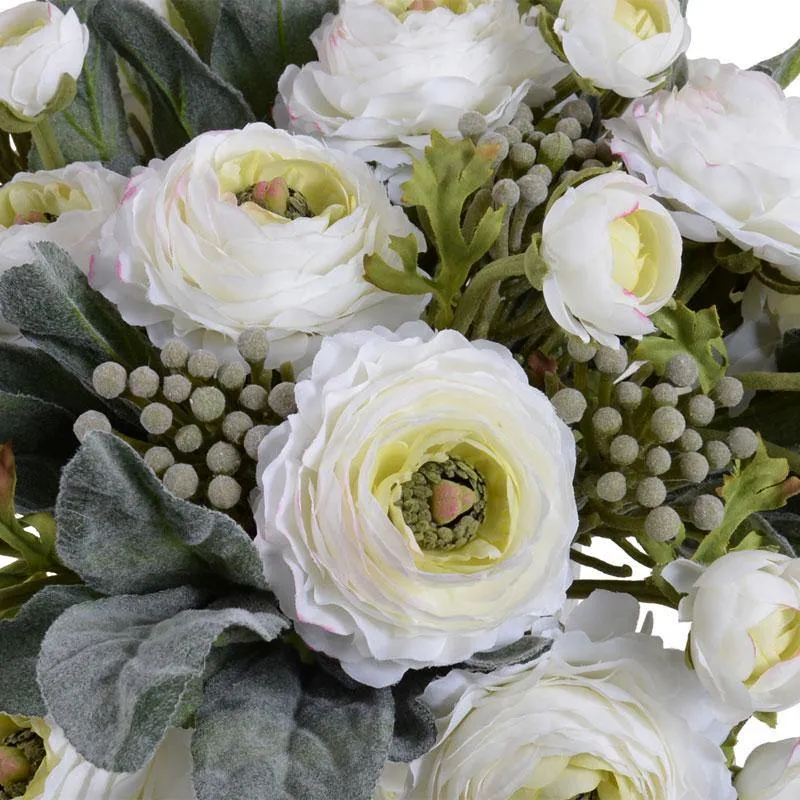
[
  {"x": 784, "y": 67},
  {"x": 409, "y": 280},
  {"x": 697, "y": 333},
  {"x": 187, "y": 97},
  {"x": 115, "y": 672},
  {"x": 123, "y": 533},
  {"x": 270, "y": 728},
  {"x": 760, "y": 484}
]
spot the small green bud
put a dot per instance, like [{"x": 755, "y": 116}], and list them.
[
  {"x": 156, "y": 418},
  {"x": 181, "y": 480},
  {"x": 522, "y": 156},
  {"x": 189, "y": 439},
  {"x": 494, "y": 140},
  {"x": 700, "y": 410},
  {"x": 232, "y": 376},
  {"x": 570, "y": 127},
  {"x": 607, "y": 421},
  {"x": 523, "y": 114},
  {"x": 253, "y": 397},
  {"x": 584, "y": 148},
  {"x": 282, "y": 400},
  {"x": 542, "y": 172},
  {"x": 144, "y": 382},
  {"x": 505, "y": 193},
  {"x": 610, "y": 361},
  {"x": 253, "y": 439},
  {"x": 14, "y": 768},
  {"x": 235, "y": 426},
  {"x": 580, "y": 110},
  {"x": 570, "y": 405},
  {"x": 202, "y": 364},
  {"x": 657, "y": 461},
  {"x": 663, "y": 524},
  {"x": 567, "y": 175},
  {"x": 223, "y": 458},
  {"x": 651, "y": 492},
  {"x": 681, "y": 370},
  {"x": 513, "y": 135},
  {"x": 667, "y": 424},
  {"x": 693, "y": 467},
  {"x": 109, "y": 380},
  {"x": 707, "y": 512},
  {"x": 718, "y": 454},
  {"x": 592, "y": 163},
  {"x": 554, "y": 150},
  {"x": 253, "y": 345},
  {"x": 628, "y": 394},
  {"x": 159, "y": 459},
  {"x": 207, "y": 403},
  {"x": 224, "y": 492},
  {"x": 472, "y": 125},
  {"x": 177, "y": 388},
  {"x": 728, "y": 392},
  {"x": 604, "y": 153},
  {"x": 533, "y": 190},
  {"x": 90, "y": 421},
  {"x": 623, "y": 451},
  {"x": 691, "y": 441},
  {"x": 174, "y": 354},
  {"x": 664, "y": 394},
  {"x": 743, "y": 442},
  {"x": 579, "y": 351},
  {"x": 611, "y": 487}
]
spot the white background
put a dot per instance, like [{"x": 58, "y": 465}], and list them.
[{"x": 744, "y": 32}]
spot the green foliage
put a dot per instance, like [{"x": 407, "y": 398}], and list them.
[
  {"x": 784, "y": 67},
  {"x": 579, "y": 177},
  {"x": 697, "y": 333},
  {"x": 414, "y": 724},
  {"x": 269, "y": 728},
  {"x": 760, "y": 484},
  {"x": 774, "y": 279},
  {"x": 525, "y": 649},
  {"x": 200, "y": 18},
  {"x": 123, "y": 533},
  {"x": 411, "y": 280},
  {"x": 187, "y": 97}
]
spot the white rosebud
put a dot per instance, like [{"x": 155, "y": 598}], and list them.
[
  {"x": 65, "y": 206},
  {"x": 606, "y": 713},
  {"x": 41, "y": 56},
  {"x": 745, "y": 639},
  {"x": 771, "y": 772},
  {"x": 252, "y": 228},
  {"x": 622, "y": 45},
  {"x": 711, "y": 149},
  {"x": 614, "y": 258},
  {"x": 390, "y": 72},
  {"x": 418, "y": 507}
]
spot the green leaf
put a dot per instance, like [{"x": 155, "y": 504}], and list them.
[
  {"x": 574, "y": 180},
  {"x": 525, "y": 649},
  {"x": 123, "y": 533},
  {"x": 270, "y": 728},
  {"x": 20, "y": 641},
  {"x": 257, "y": 39},
  {"x": 685, "y": 331},
  {"x": 52, "y": 303},
  {"x": 414, "y": 723},
  {"x": 409, "y": 280},
  {"x": 761, "y": 484},
  {"x": 43, "y": 441},
  {"x": 784, "y": 67},
  {"x": 187, "y": 97},
  {"x": 200, "y": 17},
  {"x": 774, "y": 279},
  {"x": 117, "y": 672}
]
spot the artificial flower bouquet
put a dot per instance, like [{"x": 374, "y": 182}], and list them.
[{"x": 336, "y": 336}]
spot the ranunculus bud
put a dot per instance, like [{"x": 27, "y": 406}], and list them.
[{"x": 771, "y": 772}]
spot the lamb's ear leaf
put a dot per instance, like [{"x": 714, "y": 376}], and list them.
[{"x": 785, "y": 67}]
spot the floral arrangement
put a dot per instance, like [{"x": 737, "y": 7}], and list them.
[{"x": 335, "y": 337}]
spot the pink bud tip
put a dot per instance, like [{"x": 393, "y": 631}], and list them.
[{"x": 450, "y": 500}]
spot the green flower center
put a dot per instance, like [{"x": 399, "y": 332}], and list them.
[
  {"x": 643, "y": 18},
  {"x": 21, "y": 753},
  {"x": 276, "y": 196},
  {"x": 634, "y": 243},
  {"x": 26, "y": 202},
  {"x": 444, "y": 504}
]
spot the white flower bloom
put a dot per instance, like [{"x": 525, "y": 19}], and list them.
[
  {"x": 391, "y": 71},
  {"x": 614, "y": 258},
  {"x": 39, "y": 45},
  {"x": 622, "y": 45},
  {"x": 725, "y": 150},
  {"x": 745, "y": 637},
  {"x": 65, "y": 775},
  {"x": 253, "y": 227},
  {"x": 771, "y": 772},
  {"x": 419, "y": 506},
  {"x": 65, "y": 206},
  {"x": 607, "y": 713}
]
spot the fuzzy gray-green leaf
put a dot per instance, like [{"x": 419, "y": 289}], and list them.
[
  {"x": 123, "y": 533},
  {"x": 785, "y": 67}
]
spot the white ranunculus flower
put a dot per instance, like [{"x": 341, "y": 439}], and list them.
[
  {"x": 391, "y": 71},
  {"x": 607, "y": 713},
  {"x": 66, "y": 206},
  {"x": 771, "y": 772},
  {"x": 622, "y": 45},
  {"x": 745, "y": 635},
  {"x": 419, "y": 506},
  {"x": 252, "y": 227},
  {"x": 65, "y": 775},
  {"x": 725, "y": 149},
  {"x": 39, "y": 45},
  {"x": 614, "y": 258}
]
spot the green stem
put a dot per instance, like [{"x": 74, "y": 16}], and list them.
[
  {"x": 616, "y": 570},
  {"x": 771, "y": 381},
  {"x": 563, "y": 89},
  {"x": 635, "y": 553},
  {"x": 44, "y": 137},
  {"x": 470, "y": 303},
  {"x": 641, "y": 590}
]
